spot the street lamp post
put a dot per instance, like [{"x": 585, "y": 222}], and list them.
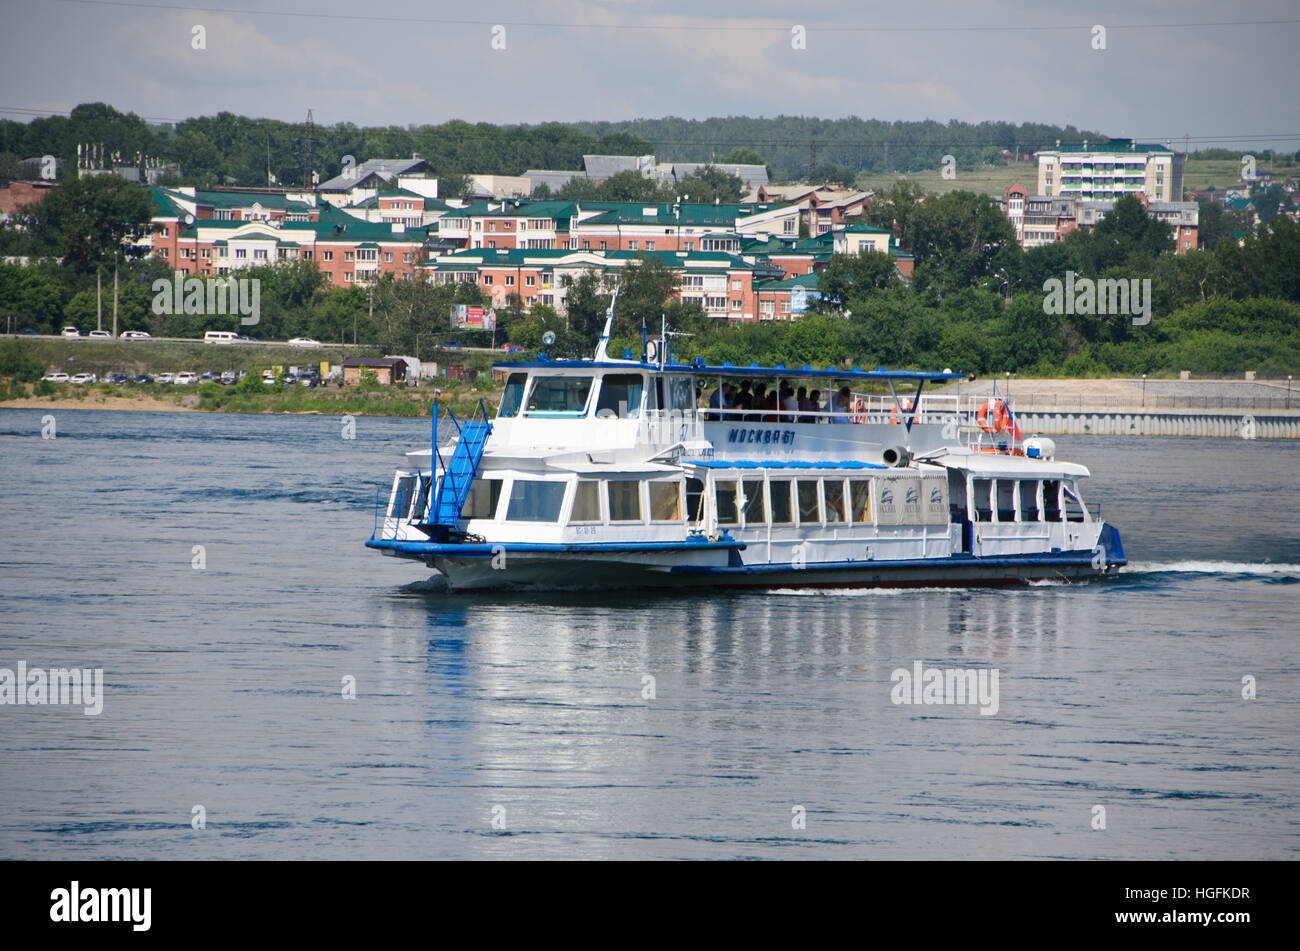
[
  {"x": 1288, "y": 391},
  {"x": 1144, "y": 390}
]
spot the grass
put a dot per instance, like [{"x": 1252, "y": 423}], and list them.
[{"x": 159, "y": 356}]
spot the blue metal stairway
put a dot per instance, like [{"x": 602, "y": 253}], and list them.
[{"x": 459, "y": 471}]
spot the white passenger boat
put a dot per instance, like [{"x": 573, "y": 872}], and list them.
[{"x": 609, "y": 473}]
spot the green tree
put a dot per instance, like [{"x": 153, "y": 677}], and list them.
[{"x": 87, "y": 220}]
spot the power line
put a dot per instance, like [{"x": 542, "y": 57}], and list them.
[{"x": 679, "y": 27}]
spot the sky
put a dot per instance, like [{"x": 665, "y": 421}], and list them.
[{"x": 1169, "y": 68}]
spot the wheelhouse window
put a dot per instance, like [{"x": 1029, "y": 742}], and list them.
[
  {"x": 809, "y": 504},
  {"x": 483, "y": 497},
  {"x": 782, "y": 513},
  {"x": 559, "y": 394},
  {"x": 534, "y": 500},
  {"x": 400, "y": 503},
  {"x": 620, "y": 396},
  {"x": 1028, "y": 489},
  {"x": 513, "y": 395},
  {"x": 422, "y": 497},
  {"x": 982, "y": 489},
  {"x": 755, "y": 502},
  {"x": 624, "y": 501},
  {"x": 665, "y": 501},
  {"x": 834, "y": 500},
  {"x": 694, "y": 499},
  {"x": 1051, "y": 500},
  {"x": 724, "y": 502},
  {"x": 1006, "y": 500},
  {"x": 586, "y": 502},
  {"x": 1074, "y": 511},
  {"x": 860, "y": 501}
]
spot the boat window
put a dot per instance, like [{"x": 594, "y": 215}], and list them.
[
  {"x": 421, "y": 498},
  {"x": 559, "y": 394},
  {"x": 834, "y": 500},
  {"x": 535, "y": 501},
  {"x": 809, "y": 507},
  {"x": 620, "y": 396},
  {"x": 782, "y": 514},
  {"x": 483, "y": 497},
  {"x": 665, "y": 501},
  {"x": 681, "y": 396},
  {"x": 586, "y": 502},
  {"x": 755, "y": 503},
  {"x": 694, "y": 499},
  {"x": 1051, "y": 500},
  {"x": 624, "y": 501},
  {"x": 1006, "y": 500},
  {"x": 401, "y": 501},
  {"x": 982, "y": 489},
  {"x": 725, "y": 502},
  {"x": 513, "y": 395},
  {"x": 860, "y": 500},
  {"x": 1073, "y": 504},
  {"x": 1028, "y": 500}
]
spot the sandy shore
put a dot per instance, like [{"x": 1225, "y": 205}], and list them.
[{"x": 97, "y": 400}]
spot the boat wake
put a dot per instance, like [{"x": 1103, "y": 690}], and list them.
[{"x": 1211, "y": 568}]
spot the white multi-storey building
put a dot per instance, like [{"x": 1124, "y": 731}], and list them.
[{"x": 1111, "y": 170}]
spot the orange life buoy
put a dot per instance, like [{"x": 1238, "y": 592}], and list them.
[
  {"x": 994, "y": 417},
  {"x": 893, "y": 413},
  {"x": 859, "y": 414}
]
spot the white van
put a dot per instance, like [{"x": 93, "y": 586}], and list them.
[{"x": 220, "y": 336}]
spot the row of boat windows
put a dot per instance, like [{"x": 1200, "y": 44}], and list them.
[
  {"x": 619, "y": 395},
  {"x": 738, "y": 502}
]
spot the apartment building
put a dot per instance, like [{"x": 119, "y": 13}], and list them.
[{"x": 1110, "y": 170}]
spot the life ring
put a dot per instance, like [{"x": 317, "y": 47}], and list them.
[
  {"x": 859, "y": 414},
  {"x": 893, "y": 413},
  {"x": 994, "y": 417}
]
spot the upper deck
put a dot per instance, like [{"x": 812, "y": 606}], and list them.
[{"x": 623, "y": 409}]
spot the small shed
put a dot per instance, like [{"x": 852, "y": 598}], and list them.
[{"x": 387, "y": 370}]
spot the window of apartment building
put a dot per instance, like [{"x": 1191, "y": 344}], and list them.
[
  {"x": 649, "y": 245},
  {"x": 530, "y": 281},
  {"x": 785, "y": 307},
  {"x": 492, "y": 226},
  {"x": 329, "y": 255},
  {"x": 162, "y": 230},
  {"x": 715, "y": 303},
  {"x": 406, "y": 256},
  {"x": 735, "y": 285},
  {"x": 548, "y": 299},
  {"x": 510, "y": 280},
  {"x": 388, "y": 257},
  {"x": 369, "y": 254},
  {"x": 347, "y": 277},
  {"x": 207, "y": 253},
  {"x": 735, "y": 304},
  {"x": 767, "y": 308},
  {"x": 241, "y": 252},
  {"x": 602, "y": 245},
  {"x": 162, "y": 252},
  {"x": 586, "y": 245},
  {"x": 478, "y": 226},
  {"x": 348, "y": 256},
  {"x": 259, "y": 254},
  {"x": 185, "y": 252},
  {"x": 631, "y": 245},
  {"x": 690, "y": 245},
  {"x": 487, "y": 278}
]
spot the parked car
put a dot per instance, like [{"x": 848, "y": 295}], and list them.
[
  {"x": 143, "y": 378},
  {"x": 304, "y": 342},
  {"x": 185, "y": 378},
  {"x": 164, "y": 377},
  {"x": 55, "y": 378},
  {"x": 133, "y": 335},
  {"x": 118, "y": 379},
  {"x": 268, "y": 376},
  {"x": 230, "y": 378},
  {"x": 71, "y": 332},
  {"x": 100, "y": 335},
  {"x": 82, "y": 378}
]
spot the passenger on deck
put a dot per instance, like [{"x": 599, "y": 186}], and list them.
[
  {"x": 772, "y": 405},
  {"x": 789, "y": 405},
  {"x": 843, "y": 400},
  {"x": 760, "y": 403},
  {"x": 721, "y": 399},
  {"x": 805, "y": 405},
  {"x": 744, "y": 400},
  {"x": 815, "y": 405}
]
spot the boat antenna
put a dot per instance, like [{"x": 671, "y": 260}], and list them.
[{"x": 609, "y": 327}]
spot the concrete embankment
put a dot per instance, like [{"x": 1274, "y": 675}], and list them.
[{"x": 1251, "y": 409}]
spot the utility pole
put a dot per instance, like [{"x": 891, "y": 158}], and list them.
[
  {"x": 99, "y": 300},
  {"x": 115, "y": 295},
  {"x": 812, "y": 158},
  {"x": 306, "y": 160}
]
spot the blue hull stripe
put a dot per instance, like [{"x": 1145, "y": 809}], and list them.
[{"x": 434, "y": 549}]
